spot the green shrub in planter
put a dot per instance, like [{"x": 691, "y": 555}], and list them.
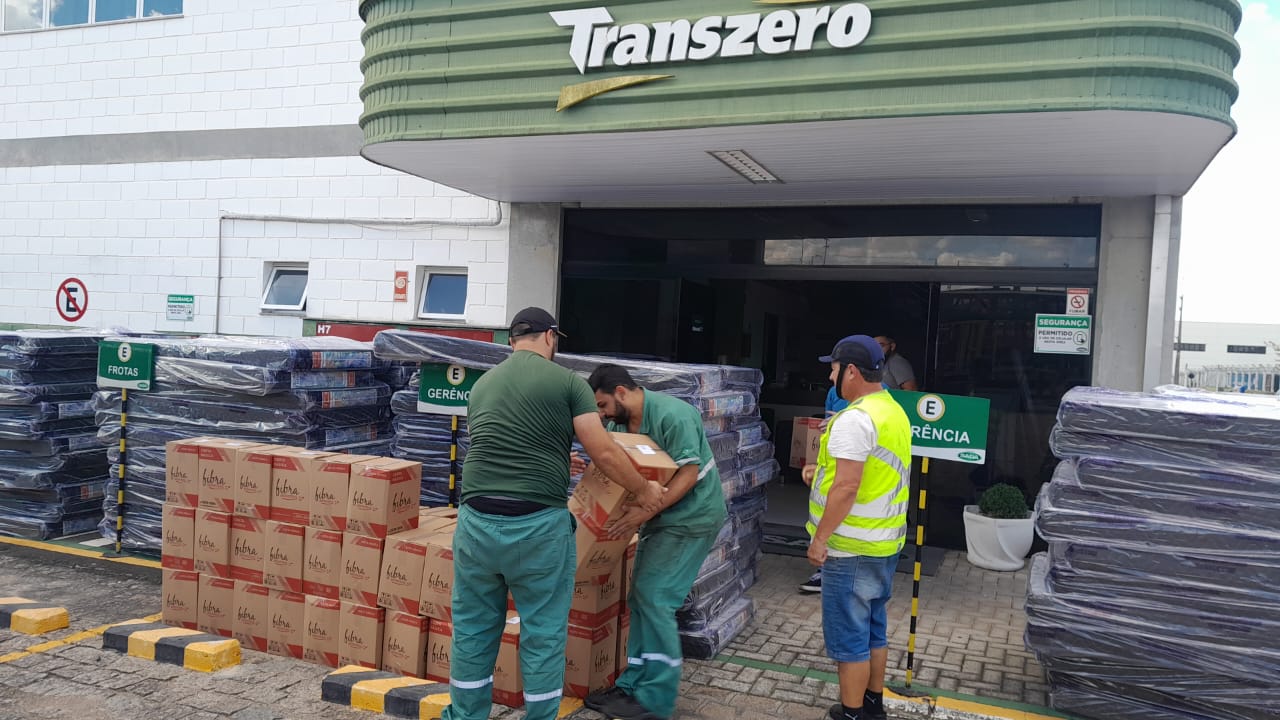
[{"x": 1003, "y": 502}]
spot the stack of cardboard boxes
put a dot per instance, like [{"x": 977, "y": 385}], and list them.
[
  {"x": 256, "y": 539},
  {"x": 329, "y": 559}
]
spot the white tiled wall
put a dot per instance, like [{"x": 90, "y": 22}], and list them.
[
  {"x": 136, "y": 233},
  {"x": 222, "y": 64}
]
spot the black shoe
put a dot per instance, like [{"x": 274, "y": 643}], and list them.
[
  {"x": 813, "y": 584},
  {"x": 628, "y": 708},
  {"x": 868, "y": 713},
  {"x": 872, "y": 710},
  {"x": 598, "y": 701},
  {"x": 836, "y": 712}
]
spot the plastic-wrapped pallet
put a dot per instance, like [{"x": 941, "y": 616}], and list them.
[
  {"x": 316, "y": 393},
  {"x": 52, "y": 472},
  {"x": 727, "y": 399},
  {"x": 1158, "y": 595}
]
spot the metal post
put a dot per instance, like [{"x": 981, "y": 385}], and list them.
[
  {"x": 120, "y": 505},
  {"x": 915, "y": 585},
  {"x": 453, "y": 462}
]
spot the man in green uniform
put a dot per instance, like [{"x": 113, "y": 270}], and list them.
[
  {"x": 674, "y": 542},
  {"x": 514, "y": 531}
]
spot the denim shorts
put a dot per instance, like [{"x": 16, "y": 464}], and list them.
[{"x": 855, "y": 591}]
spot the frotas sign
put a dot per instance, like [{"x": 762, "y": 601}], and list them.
[{"x": 599, "y": 41}]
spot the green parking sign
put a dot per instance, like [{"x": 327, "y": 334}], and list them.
[
  {"x": 946, "y": 427},
  {"x": 125, "y": 365},
  {"x": 446, "y": 389}
]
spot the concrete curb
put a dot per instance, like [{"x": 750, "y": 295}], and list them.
[
  {"x": 175, "y": 646},
  {"x": 363, "y": 689},
  {"x": 32, "y": 618}
]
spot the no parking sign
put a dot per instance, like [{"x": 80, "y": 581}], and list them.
[{"x": 72, "y": 300}]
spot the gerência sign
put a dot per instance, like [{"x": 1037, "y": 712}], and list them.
[{"x": 598, "y": 41}]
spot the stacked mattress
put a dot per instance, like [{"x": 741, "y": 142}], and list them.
[
  {"x": 1159, "y": 596},
  {"x": 52, "y": 471},
  {"x": 727, "y": 398},
  {"x": 317, "y": 393}
]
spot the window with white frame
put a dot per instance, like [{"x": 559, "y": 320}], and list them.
[
  {"x": 443, "y": 294},
  {"x": 285, "y": 289},
  {"x": 40, "y": 14}
]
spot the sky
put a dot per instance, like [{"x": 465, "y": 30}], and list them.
[{"x": 1230, "y": 260}]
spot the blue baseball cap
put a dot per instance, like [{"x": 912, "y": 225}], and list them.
[{"x": 858, "y": 350}]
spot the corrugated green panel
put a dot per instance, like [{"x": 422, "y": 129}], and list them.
[{"x": 490, "y": 68}]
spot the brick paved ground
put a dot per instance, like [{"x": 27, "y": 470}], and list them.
[{"x": 972, "y": 645}]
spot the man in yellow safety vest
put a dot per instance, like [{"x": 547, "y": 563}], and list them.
[{"x": 858, "y": 521}]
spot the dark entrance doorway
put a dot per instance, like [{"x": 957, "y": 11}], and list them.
[{"x": 773, "y": 288}]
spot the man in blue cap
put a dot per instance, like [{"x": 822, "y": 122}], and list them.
[{"x": 858, "y": 522}]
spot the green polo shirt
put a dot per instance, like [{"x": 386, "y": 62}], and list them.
[
  {"x": 677, "y": 427},
  {"x": 520, "y": 418}
]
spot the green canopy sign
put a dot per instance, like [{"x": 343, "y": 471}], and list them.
[
  {"x": 946, "y": 427},
  {"x": 446, "y": 389},
  {"x": 125, "y": 365}
]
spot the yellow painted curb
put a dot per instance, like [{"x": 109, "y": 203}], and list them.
[{"x": 94, "y": 554}]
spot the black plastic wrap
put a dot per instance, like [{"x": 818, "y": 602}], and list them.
[
  {"x": 56, "y": 392},
  {"x": 164, "y": 397},
  {"x": 34, "y": 529},
  {"x": 213, "y": 417},
  {"x": 1103, "y": 690},
  {"x": 11, "y": 360},
  {"x": 313, "y": 438},
  {"x": 699, "y": 612},
  {"x": 711, "y": 640},
  {"x": 1227, "y": 458},
  {"x": 48, "y": 377},
  {"x": 46, "y": 447},
  {"x": 48, "y": 342},
  {"x": 1186, "y": 416},
  {"x": 64, "y": 410},
  {"x": 309, "y": 353}
]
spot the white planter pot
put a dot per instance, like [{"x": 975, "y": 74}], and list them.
[{"x": 997, "y": 544}]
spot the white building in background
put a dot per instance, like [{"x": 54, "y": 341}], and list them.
[
  {"x": 157, "y": 148},
  {"x": 1229, "y": 355}
]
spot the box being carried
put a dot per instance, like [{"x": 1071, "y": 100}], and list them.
[
  {"x": 598, "y": 500},
  {"x": 806, "y": 437}
]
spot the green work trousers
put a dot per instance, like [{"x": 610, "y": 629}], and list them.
[
  {"x": 667, "y": 564},
  {"x": 534, "y": 557}
]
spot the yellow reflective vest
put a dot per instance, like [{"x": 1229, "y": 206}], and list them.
[{"x": 876, "y": 526}]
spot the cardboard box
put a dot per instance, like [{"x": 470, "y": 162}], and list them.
[
  {"x": 218, "y": 473},
  {"x": 322, "y": 572},
  {"x": 508, "y": 683},
  {"x": 624, "y": 636},
  {"x": 253, "y": 486},
  {"x": 287, "y": 631},
  {"x": 323, "y": 618},
  {"x": 628, "y": 574},
  {"x": 292, "y": 473},
  {"x": 217, "y": 605},
  {"x": 282, "y": 569},
  {"x": 181, "y": 591},
  {"x": 383, "y": 497},
  {"x": 331, "y": 489},
  {"x": 178, "y": 548},
  {"x": 439, "y": 647},
  {"x": 361, "y": 569},
  {"x": 437, "y": 578},
  {"x": 251, "y": 623},
  {"x": 806, "y": 438},
  {"x": 400, "y": 582},
  {"x": 360, "y": 638},
  {"x": 598, "y": 500},
  {"x": 404, "y": 648},
  {"x": 437, "y": 512},
  {"x": 213, "y": 543},
  {"x": 590, "y": 659},
  {"x": 182, "y": 471},
  {"x": 596, "y": 603},
  {"x": 248, "y": 548}
]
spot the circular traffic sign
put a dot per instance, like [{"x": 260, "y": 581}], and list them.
[
  {"x": 1077, "y": 302},
  {"x": 72, "y": 300}
]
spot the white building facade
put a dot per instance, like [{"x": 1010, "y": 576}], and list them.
[
  {"x": 1229, "y": 356},
  {"x": 205, "y": 150}
]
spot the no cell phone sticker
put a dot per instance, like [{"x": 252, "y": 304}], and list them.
[{"x": 72, "y": 300}]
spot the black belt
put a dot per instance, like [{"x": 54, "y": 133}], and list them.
[{"x": 505, "y": 506}]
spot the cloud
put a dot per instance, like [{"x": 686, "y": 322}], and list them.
[{"x": 1230, "y": 260}]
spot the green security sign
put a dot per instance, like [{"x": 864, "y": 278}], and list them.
[
  {"x": 946, "y": 427},
  {"x": 125, "y": 365},
  {"x": 446, "y": 389}
]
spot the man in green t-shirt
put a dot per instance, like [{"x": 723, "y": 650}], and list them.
[
  {"x": 674, "y": 542},
  {"x": 514, "y": 531}
]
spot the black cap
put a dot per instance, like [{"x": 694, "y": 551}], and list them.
[
  {"x": 857, "y": 350},
  {"x": 534, "y": 320}
]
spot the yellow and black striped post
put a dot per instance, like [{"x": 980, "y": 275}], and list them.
[
  {"x": 120, "y": 505},
  {"x": 453, "y": 463},
  {"x": 915, "y": 583}
]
